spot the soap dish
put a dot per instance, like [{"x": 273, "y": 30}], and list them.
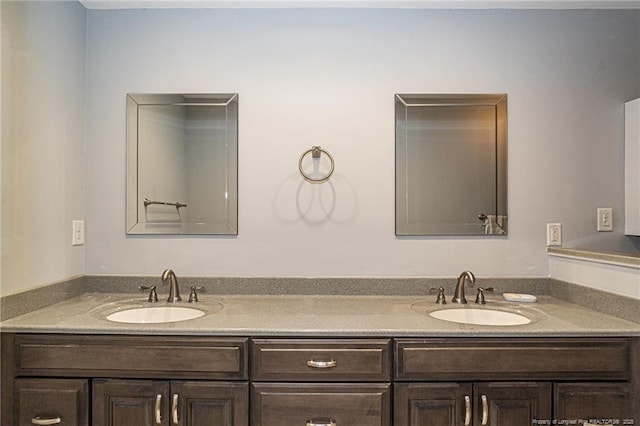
[{"x": 519, "y": 297}]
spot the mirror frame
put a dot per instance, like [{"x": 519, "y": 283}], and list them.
[
  {"x": 499, "y": 102},
  {"x": 133, "y": 103}
]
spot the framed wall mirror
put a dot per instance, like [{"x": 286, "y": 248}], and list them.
[
  {"x": 182, "y": 164},
  {"x": 451, "y": 164}
]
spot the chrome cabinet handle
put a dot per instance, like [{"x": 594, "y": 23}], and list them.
[
  {"x": 158, "y": 415},
  {"x": 322, "y": 364},
  {"x": 174, "y": 409},
  {"x": 467, "y": 410},
  {"x": 485, "y": 410},
  {"x": 37, "y": 420},
  {"x": 321, "y": 422}
]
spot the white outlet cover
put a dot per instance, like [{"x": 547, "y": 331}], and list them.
[
  {"x": 554, "y": 234},
  {"x": 77, "y": 233}
]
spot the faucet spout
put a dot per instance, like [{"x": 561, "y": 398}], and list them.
[
  {"x": 458, "y": 296},
  {"x": 174, "y": 290}
]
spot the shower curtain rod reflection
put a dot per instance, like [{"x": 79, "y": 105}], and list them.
[{"x": 148, "y": 202}]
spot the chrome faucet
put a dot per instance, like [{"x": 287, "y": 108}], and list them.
[
  {"x": 174, "y": 291},
  {"x": 458, "y": 296}
]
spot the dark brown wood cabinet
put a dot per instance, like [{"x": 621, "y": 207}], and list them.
[
  {"x": 183, "y": 403},
  {"x": 443, "y": 404},
  {"x": 196, "y": 381},
  {"x": 321, "y": 360},
  {"x": 511, "y": 403},
  {"x": 133, "y": 379},
  {"x": 475, "y": 359},
  {"x": 595, "y": 401},
  {"x": 453, "y": 404},
  {"x": 130, "y": 403},
  {"x": 171, "y": 357},
  {"x": 516, "y": 381},
  {"x": 321, "y": 382},
  {"x": 51, "y": 401},
  {"x": 290, "y": 404},
  {"x": 212, "y": 403}
]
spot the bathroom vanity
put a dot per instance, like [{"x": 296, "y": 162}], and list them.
[
  {"x": 321, "y": 360},
  {"x": 148, "y": 380}
]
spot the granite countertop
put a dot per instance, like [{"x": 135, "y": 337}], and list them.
[
  {"x": 630, "y": 260},
  {"x": 317, "y": 316}
]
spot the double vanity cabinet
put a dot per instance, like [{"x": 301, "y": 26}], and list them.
[{"x": 120, "y": 380}]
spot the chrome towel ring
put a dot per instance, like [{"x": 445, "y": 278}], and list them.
[{"x": 316, "y": 152}]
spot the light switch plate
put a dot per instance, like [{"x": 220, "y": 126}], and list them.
[{"x": 605, "y": 220}]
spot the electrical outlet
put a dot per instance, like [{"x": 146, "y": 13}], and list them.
[
  {"x": 554, "y": 234},
  {"x": 77, "y": 233},
  {"x": 605, "y": 220}
]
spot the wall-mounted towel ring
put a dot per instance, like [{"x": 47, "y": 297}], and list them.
[{"x": 316, "y": 152}]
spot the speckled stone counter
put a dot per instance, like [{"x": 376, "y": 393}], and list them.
[
  {"x": 319, "y": 315},
  {"x": 624, "y": 259}
]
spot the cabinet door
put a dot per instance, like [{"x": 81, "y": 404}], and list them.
[
  {"x": 130, "y": 403},
  {"x": 209, "y": 403},
  {"x": 511, "y": 403},
  {"x": 51, "y": 401},
  {"x": 593, "y": 401},
  {"x": 442, "y": 404}
]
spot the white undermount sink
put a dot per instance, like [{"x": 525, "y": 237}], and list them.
[
  {"x": 480, "y": 316},
  {"x": 155, "y": 314}
]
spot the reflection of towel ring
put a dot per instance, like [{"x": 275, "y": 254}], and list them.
[{"x": 315, "y": 153}]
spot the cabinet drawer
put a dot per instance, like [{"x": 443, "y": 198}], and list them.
[
  {"x": 593, "y": 401},
  {"x": 40, "y": 400},
  {"x": 131, "y": 356},
  {"x": 517, "y": 359},
  {"x": 321, "y": 360},
  {"x": 277, "y": 404}
]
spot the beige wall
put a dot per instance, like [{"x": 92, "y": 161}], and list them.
[
  {"x": 305, "y": 77},
  {"x": 328, "y": 77},
  {"x": 43, "y": 134}
]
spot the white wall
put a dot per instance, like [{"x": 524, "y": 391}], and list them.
[
  {"x": 305, "y": 77},
  {"x": 161, "y": 160},
  {"x": 43, "y": 136},
  {"x": 614, "y": 278},
  {"x": 327, "y": 77},
  {"x": 1, "y": 145}
]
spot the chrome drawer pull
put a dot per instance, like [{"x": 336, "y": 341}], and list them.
[
  {"x": 157, "y": 410},
  {"x": 321, "y": 422},
  {"x": 322, "y": 364},
  {"x": 467, "y": 410},
  {"x": 485, "y": 410},
  {"x": 37, "y": 420},
  {"x": 174, "y": 409}
]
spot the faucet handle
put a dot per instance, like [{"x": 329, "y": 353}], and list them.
[
  {"x": 480, "y": 296},
  {"x": 440, "y": 300},
  {"x": 193, "y": 296},
  {"x": 153, "y": 296}
]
